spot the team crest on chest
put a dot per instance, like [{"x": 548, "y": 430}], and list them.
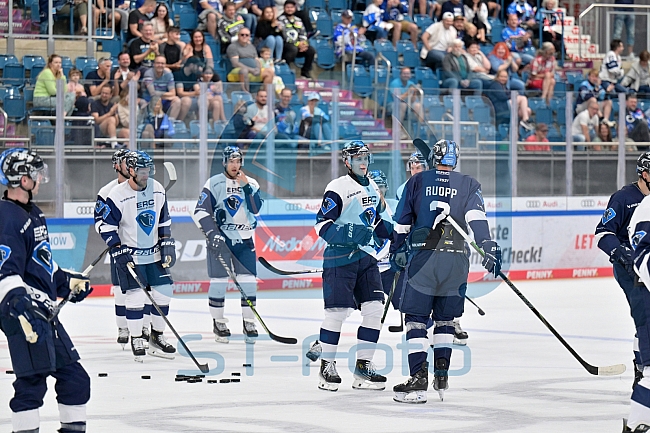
[
  {"x": 5, "y": 252},
  {"x": 368, "y": 216},
  {"x": 233, "y": 203},
  {"x": 146, "y": 220},
  {"x": 43, "y": 256}
]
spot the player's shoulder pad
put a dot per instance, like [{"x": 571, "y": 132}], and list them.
[
  {"x": 106, "y": 189},
  {"x": 215, "y": 181},
  {"x": 157, "y": 187}
]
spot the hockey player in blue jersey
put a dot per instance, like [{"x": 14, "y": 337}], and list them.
[
  {"x": 226, "y": 211},
  {"x": 30, "y": 282},
  {"x": 137, "y": 228},
  {"x": 349, "y": 220},
  {"x": 612, "y": 238},
  {"x": 438, "y": 262}
]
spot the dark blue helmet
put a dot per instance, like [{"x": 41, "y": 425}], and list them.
[
  {"x": 444, "y": 152},
  {"x": 119, "y": 155},
  {"x": 643, "y": 164},
  {"x": 138, "y": 159},
  {"x": 16, "y": 163},
  {"x": 379, "y": 177},
  {"x": 232, "y": 152}
]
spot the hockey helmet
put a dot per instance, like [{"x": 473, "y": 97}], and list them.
[
  {"x": 119, "y": 155},
  {"x": 444, "y": 152},
  {"x": 379, "y": 177},
  {"x": 232, "y": 152},
  {"x": 138, "y": 159},
  {"x": 643, "y": 164},
  {"x": 416, "y": 157},
  {"x": 355, "y": 148},
  {"x": 16, "y": 163}
]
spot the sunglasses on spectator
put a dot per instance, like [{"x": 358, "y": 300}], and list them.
[{"x": 244, "y": 34}]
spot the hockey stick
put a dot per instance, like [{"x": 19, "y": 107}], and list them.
[
  {"x": 285, "y": 340},
  {"x": 390, "y": 296},
  {"x": 480, "y": 311},
  {"x": 611, "y": 370},
  {"x": 203, "y": 367},
  {"x": 275, "y": 270},
  {"x": 171, "y": 173},
  {"x": 399, "y": 328}
]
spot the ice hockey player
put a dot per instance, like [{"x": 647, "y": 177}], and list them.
[
  {"x": 612, "y": 238},
  {"x": 349, "y": 220},
  {"x": 415, "y": 164},
  {"x": 101, "y": 209},
  {"x": 137, "y": 228},
  {"x": 30, "y": 282},
  {"x": 438, "y": 263},
  {"x": 226, "y": 212}
]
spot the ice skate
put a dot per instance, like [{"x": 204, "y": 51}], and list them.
[
  {"x": 460, "y": 336},
  {"x": 441, "y": 377},
  {"x": 146, "y": 335},
  {"x": 414, "y": 390},
  {"x": 158, "y": 346},
  {"x": 329, "y": 379},
  {"x": 638, "y": 374},
  {"x": 221, "y": 331},
  {"x": 314, "y": 351},
  {"x": 123, "y": 336},
  {"x": 250, "y": 333},
  {"x": 641, "y": 428},
  {"x": 365, "y": 376},
  {"x": 137, "y": 347}
]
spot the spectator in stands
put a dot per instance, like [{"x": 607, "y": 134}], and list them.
[
  {"x": 638, "y": 77},
  {"x": 406, "y": 91},
  {"x": 623, "y": 16},
  {"x": 246, "y": 65},
  {"x": 172, "y": 48},
  {"x": 394, "y": 14},
  {"x": 517, "y": 39},
  {"x": 105, "y": 114},
  {"x": 523, "y": 11},
  {"x": 161, "y": 23},
  {"x": 123, "y": 111},
  {"x": 123, "y": 74},
  {"x": 158, "y": 81},
  {"x": 422, "y": 8},
  {"x": 74, "y": 86},
  {"x": 266, "y": 62},
  {"x": 611, "y": 70},
  {"x": 585, "y": 124},
  {"x": 157, "y": 123},
  {"x": 301, "y": 12},
  {"x": 186, "y": 80},
  {"x": 143, "y": 50},
  {"x": 540, "y": 136},
  {"x": 242, "y": 8},
  {"x": 636, "y": 123},
  {"x": 258, "y": 6},
  {"x": 79, "y": 11},
  {"x": 548, "y": 20},
  {"x": 455, "y": 7},
  {"x": 499, "y": 93},
  {"x": 100, "y": 77},
  {"x": 138, "y": 17},
  {"x": 229, "y": 26},
  {"x": 542, "y": 72},
  {"x": 476, "y": 12},
  {"x": 464, "y": 31},
  {"x": 197, "y": 47},
  {"x": 373, "y": 21},
  {"x": 604, "y": 135},
  {"x": 45, "y": 89},
  {"x": 436, "y": 41},
  {"x": 345, "y": 44},
  {"x": 257, "y": 117},
  {"x": 121, "y": 15},
  {"x": 270, "y": 33},
  {"x": 79, "y": 131},
  {"x": 456, "y": 71},
  {"x": 591, "y": 89},
  {"x": 502, "y": 60},
  {"x": 285, "y": 120},
  {"x": 295, "y": 42},
  {"x": 315, "y": 123},
  {"x": 478, "y": 64},
  {"x": 215, "y": 90}
]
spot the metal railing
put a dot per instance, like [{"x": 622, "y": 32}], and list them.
[{"x": 378, "y": 59}]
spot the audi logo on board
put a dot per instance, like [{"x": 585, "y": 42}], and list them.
[
  {"x": 588, "y": 203},
  {"x": 85, "y": 210},
  {"x": 293, "y": 207},
  {"x": 533, "y": 204}
]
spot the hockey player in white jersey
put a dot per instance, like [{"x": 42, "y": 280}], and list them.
[
  {"x": 226, "y": 211},
  {"x": 137, "y": 228},
  {"x": 349, "y": 220}
]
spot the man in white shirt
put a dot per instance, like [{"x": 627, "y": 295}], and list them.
[
  {"x": 257, "y": 115},
  {"x": 585, "y": 123},
  {"x": 437, "y": 40}
]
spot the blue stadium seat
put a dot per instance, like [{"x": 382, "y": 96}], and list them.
[
  {"x": 240, "y": 95},
  {"x": 423, "y": 21},
  {"x": 404, "y": 46},
  {"x": 185, "y": 16},
  {"x": 379, "y": 75},
  {"x": 82, "y": 61},
  {"x": 362, "y": 83},
  {"x": 6, "y": 59},
  {"x": 14, "y": 106},
  {"x": 185, "y": 36},
  {"x": 320, "y": 41},
  {"x": 336, "y": 16},
  {"x": 33, "y": 75},
  {"x": 43, "y": 132},
  {"x": 358, "y": 18},
  {"x": 436, "y": 112},
  {"x": 574, "y": 78},
  {"x": 315, "y": 4},
  {"x": 497, "y": 28},
  {"x": 536, "y": 103},
  {"x": 483, "y": 114},
  {"x": 487, "y": 49},
  {"x": 113, "y": 45},
  {"x": 87, "y": 70},
  {"x": 14, "y": 75},
  {"x": 411, "y": 59},
  {"x": 543, "y": 115},
  {"x": 337, "y": 4},
  {"x": 325, "y": 57},
  {"x": 487, "y": 132},
  {"x": 30, "y": 60},
  {"x": 474, "y": 101},
  {"x": 325, "y": 25}
]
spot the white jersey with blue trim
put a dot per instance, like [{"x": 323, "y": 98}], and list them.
[
  {"x": 230, "y": 205},
  {"x": 137, "y": 219},
  {"x": 638, "y": 232},
  {"x": 101, "y": 209}
]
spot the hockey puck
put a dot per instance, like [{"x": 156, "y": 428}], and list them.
[
  {"x": 145, "y": 376},
  {"x": 247, "y": 365},
  {"x": 9, "y": 372},
  {"x": 103, "y": 374},
  {"x": 213, "y": 381},
  {"x": 224, "y": 381},
  {"x": 181, "y": 376},
  {"x": 235, "y": 380},
  {"x": 236, "y": 373},
  {"x": 201, "y": 376},
  {"x": 180, "y": 379}
]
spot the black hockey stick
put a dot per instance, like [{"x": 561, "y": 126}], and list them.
[
  {"x": 275, "y": 270},
  {"x": 390, "y": 296},
  {"x": 611, "y": 370},
  {"x": 171, "y": 173},
  {"x": 399, "y": 328},
  {"x": 480, "y": 311},
  {"x": 203, "y": 367}
]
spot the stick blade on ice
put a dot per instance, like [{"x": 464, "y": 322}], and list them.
[{"x": 611, "y": 370}]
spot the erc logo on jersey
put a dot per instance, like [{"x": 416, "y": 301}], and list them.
[
  {"x": 368, "y": 216},
  {"x": 146, "y": 220},
  {"x": 5, "y": 252},
  {"x": 608, "y": 215},
  {"x": 43, "y": 256},
  {"x": 202, "y": 198},
  {"x": 233, "y": 203},
  {"x": 102, "y": 209},
  {"x": 636, "y": 239},
  {"x": 328, "y": 205}
]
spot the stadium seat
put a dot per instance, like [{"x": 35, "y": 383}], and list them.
[
  {"x": 33, "y": 75},
  {"x": 325, "y": 57},
  {"x": 320, "y": 41},
  {"x": 536, "y": 103},
  {"x": 411, "y": 59},
  {"x": 497, "y": 28},
  {"x": 113, "y": 45},
  {"x": 240, "y": 95},
  {"x": 336, "y": 16},
  {"x": 423, "y": 21},
  {"x": 315, "y": 4},
  {"x": 42, "y": 131},
  {"x": 87, "y": 70},
  {"x": 6, "y": 59},
  {"x": 30, "y": 60},
  {"x": 337, "y": 5},
  {"x": 82, "y": 61},
  {"x": 185, "y": 37},
  {"x": 362, "y": 83},
  {"x": 14, "y": 106},
  {"x": 543, "y": 115},
  {"x": 404, "y": 46},
  {"x": 483, "y": 115},
  {"x": 486, "y": 132},
  {"x": 14, "y": 75},
  {"x": 379, "y": 75},
  {"x": 325, "y": 25},
  {"x": 185, "y": 15},
  {"x": 474, "y": 101}
]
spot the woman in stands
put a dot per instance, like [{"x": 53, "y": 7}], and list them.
[
  {"x": 198, "y": 48},
  {"x": 476, "y": 12},
  {"x": 215, "y": 90},
  {"x": 161, "y": 22},
  {"x": 270, "y": 32},
  {"x": 502, "y": 60},
  {"x": 499, "y": 94},
  {"x": 45, "y": 89}
]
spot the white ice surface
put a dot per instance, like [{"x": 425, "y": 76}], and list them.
[{"x": 521, "y": 378}]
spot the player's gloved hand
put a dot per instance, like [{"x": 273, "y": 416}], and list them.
[
  {"x": 77, "y": 282},
  {"x": 215, "y": 240},
  {"x": 359, "y": 234},
  {"x": 622, "y": 255},
  {"x": 121, "y": 255},
  {"x": 167, "y": 252},
  {"x": 80, "y": 296},
  {"x": 23, "y": 305},
  {"x": 492, "y": 258},
  {"x": 399, "y": 259}
]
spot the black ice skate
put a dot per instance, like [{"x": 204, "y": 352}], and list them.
[
  {"x": 329, "y": 379},
  {"x": 460, "y": 336},
  {"x": 414, "y": 390},
  {"x": 365, "y": 376},
  {"x": 641, "y": 428},
  {"x": 441, "y": 377},
  {"x": 146, "y": 335},
  {"x": 221, "y": 331},
  {"x": 250, "y": 332},
  {"x": 123, "y": 336},
  {"x": 158, "y": 346},
  {"x": 137, "y": 347},
  {"x": 638, "y": 374},
  {"x": 314, "y": 351}
]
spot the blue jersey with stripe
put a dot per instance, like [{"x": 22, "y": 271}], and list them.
[{"x": 611, "y": 230}]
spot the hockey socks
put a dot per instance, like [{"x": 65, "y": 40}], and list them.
[
  {"x": 368, "y": 332},
  {"x": 120, "y": 306}
]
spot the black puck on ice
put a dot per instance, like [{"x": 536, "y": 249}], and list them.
[
  {"x": 213, "y": 381},
  {"x": 224, "y": 381},
  {"x": 9, "y": 372},
  {"x": 199, "y": 375},
  {"x": 180, "y": 379},
  {"x": 146, "y": 376},
  {"x": 235, "y": 380},
  {"x": 247, "y": 365},
  {"x": 103, "y": 374},
  {"x": 236, "y": 373}
]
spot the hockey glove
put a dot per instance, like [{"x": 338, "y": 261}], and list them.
[
  {"x": 399, "y": 259},
  {"x": 80, "y": 296},
  {"x": 215, "y": 240},
  {"x": 622, "y": 255},
  {"x": 23, "y": 305},
  {"x": 77, "y": 282},
  {"x": 121, "y": 255},
  {"x": 492, "y": 258},
  {"x": 359, "y": 234},
  {"x": 167, "y": 252}
]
